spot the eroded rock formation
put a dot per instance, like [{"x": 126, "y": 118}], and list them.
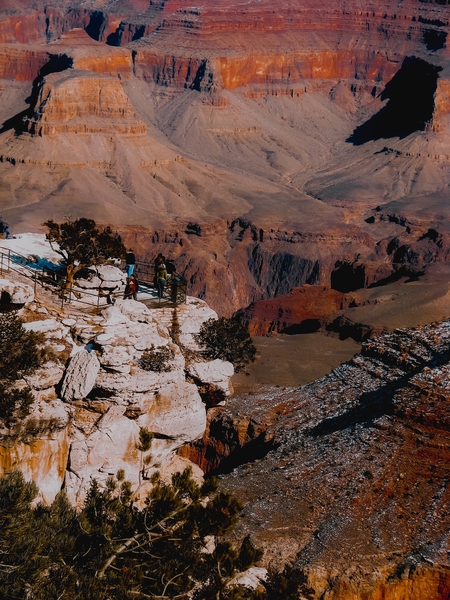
[
  {"x": 348, "y": 476},
  {"x": 272, "y": 144},
  {"x": 88, "y": 411}
]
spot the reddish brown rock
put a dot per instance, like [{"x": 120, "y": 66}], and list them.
[
  {"x": 304, "y": 310},
  {"x": 21, "y": 62},
  {"x": 350, "y": 476},
  {"x": 82, "y": 102}
]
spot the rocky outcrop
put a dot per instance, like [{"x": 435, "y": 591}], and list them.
[
  {"x": 88, "y": 411},
  {"x": 304, "y": 310},
  {"x": 15, "y": 293},
  {"x": 81, "y": 102},
  {"x": 213, "y": 380},
  {"x": 80, "y": 376},
  {"x": 349, "y": 479}
]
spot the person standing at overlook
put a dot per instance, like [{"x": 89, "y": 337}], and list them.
[
  {"x": 131, "y": 288},
  {"x": 130, "y": 261},
  {"x": 161, "y": 278}
]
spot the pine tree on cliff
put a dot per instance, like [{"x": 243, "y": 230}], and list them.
[
  {"x": 81, "y": 244},
  {"x": 227, "y": 339},
  {"x": 110, "y": 549}
]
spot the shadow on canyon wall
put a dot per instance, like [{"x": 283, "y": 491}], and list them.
[{"x": 410, "y": 95}]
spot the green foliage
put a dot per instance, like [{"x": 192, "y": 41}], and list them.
[
  {"x": 81, "y": 244},
  {"x": 14, "y": 402},
  {"x": 157, "y": 359},
  {"x": 20, "y": 354},
  {"x": 110, "y": 549},
  {"x": 289, "y": 584},
  {"x": 145, "y": 440},
  {"x": 19, "y": 349},
  {"x": 227, "y": 339}
]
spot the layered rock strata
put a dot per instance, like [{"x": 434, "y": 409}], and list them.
[
  {"x": 73, "y": 102},
  {"x": 253, "y": 129},
  {"x": 348, "y": 476}
]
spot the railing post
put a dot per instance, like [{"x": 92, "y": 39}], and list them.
[
  {"x": 70, "y": 292},
  {"x": 98, "y": 300},
  {"x": 1, "y": 266},
  {"x": 9, "y": 259}
]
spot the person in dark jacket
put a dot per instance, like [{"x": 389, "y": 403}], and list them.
[
  {"x": 159, "y": 260},
  {"x": 170, "y": 268},
  {"x": 130, "y": 261}
]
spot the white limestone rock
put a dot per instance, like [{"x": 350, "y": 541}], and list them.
[
  {"x": 53, "y": 411},
  {"x": 191, "y": 316},
  {"x": 177, "y": 412},
  {"x": 80, "y": 376},
  {"x": 46, "y": 377},
  {"x": 117, "y": 358},
  {"x": 113, "y": 315},
  {"x": 111, "y": 276},
  {"x": 112, "y": 446},
  {"x": 216, "y": 373},
  {"x": 104, "y": 276},
  {"x": 51, "y": 328},
  {"x": 133, "y": 311},
  {"x": 138, "y": 382},
  {"x": 20, "y": 293}
]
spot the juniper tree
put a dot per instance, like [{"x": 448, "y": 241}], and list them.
[
  {"x": 81, "y": 244},
  {"x": 227, "y": 339}
]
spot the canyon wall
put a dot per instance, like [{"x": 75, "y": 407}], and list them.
[
  {"x": 347, "y": 476},
  {"x": 235, "y": 122}
]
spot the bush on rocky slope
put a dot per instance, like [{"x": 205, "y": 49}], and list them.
[
  {"x": 20, "y": 354},
  {"x": 227, "y": 339},
  {"x": 157, "y": 359}
]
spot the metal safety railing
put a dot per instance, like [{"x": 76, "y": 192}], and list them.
[
  {"x": 174, "y": 291},
  {"x": 53, "y": 278}
]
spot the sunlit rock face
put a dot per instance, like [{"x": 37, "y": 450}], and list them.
[
  {"x": 88, "y": 411},
  {"x": 74, "y": 102}
]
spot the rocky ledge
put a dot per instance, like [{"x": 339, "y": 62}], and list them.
[
  {"x": 92, "y": 397},
  {"x": 347, "y": 477}
]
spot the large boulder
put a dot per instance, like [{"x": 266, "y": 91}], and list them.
[
  {"x": 104, "y": 276},
  {"x": 80, "y": 376},
  {"x": 213, "y": 380},
  {"x": 176, "y": 413}
]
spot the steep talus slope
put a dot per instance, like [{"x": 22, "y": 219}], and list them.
[{"x": 348, "y": 476}]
